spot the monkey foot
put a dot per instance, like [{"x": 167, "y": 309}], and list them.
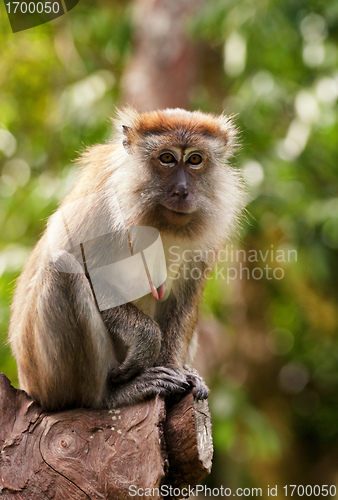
[
  {"x": 157, "y": 380},
  {"x": 164, "y": 380},
  {"x": 199, "y": 388},
  {"x": 196, "y": 384}
]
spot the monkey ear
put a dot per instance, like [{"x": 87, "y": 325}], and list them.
[
  {"x": 229, "y": 132},
  {"x": 126, "y": 141},
  {"x": 124, "y": 127}
]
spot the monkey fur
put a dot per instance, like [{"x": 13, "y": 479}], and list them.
[{"x": 169, "y": 170}]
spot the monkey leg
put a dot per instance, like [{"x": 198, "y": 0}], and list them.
[
  {"x": 64, "y": 351},
  {"x": 136, "y": 339}
]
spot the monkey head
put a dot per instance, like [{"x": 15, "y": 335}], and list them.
[{"x": 176, "y": 172}]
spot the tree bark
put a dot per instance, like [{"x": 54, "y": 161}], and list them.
[
  {"x": 162, "y": 70},
  {"x": 101, "y": 454}
]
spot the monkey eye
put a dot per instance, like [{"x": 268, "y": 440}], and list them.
[
  {"x": 167, "y": 158},
  {"x": 195, "y": 159}
]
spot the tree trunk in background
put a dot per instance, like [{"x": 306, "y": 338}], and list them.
[{"x": 164, "y": 63}]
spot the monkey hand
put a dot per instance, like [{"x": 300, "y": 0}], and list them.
[{"x": 199, "y": 388}]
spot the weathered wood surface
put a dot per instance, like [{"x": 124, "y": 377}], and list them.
[{"x": 99, "y": 454}]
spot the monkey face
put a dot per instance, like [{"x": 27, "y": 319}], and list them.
[
  {"x": 185, "y": 173},
  {"x": 178, "y": 169},
  {"x": 178, "y": 173}
]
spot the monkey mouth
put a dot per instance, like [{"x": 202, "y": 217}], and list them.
[
  {"x": 181, "y": 209},
  {"x": 176, "y": 217},
  {"x": 177, "y": 212}
]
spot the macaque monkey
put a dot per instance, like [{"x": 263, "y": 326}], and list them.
[{"x": 81, "y": 336}]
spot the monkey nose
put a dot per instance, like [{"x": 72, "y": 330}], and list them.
[{"x": 181, "y": 191}]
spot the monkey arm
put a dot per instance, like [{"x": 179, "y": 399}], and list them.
[
  {"x": 178, "y": 323},
  {"x": 177, "y": 318}
]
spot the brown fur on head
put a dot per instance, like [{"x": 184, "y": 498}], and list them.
[
  {"x": 189, "y": 201},
  {"x": 183, "y": 125}
]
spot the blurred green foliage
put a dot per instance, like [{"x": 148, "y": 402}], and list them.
[{"x": 273, "y": 64}]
